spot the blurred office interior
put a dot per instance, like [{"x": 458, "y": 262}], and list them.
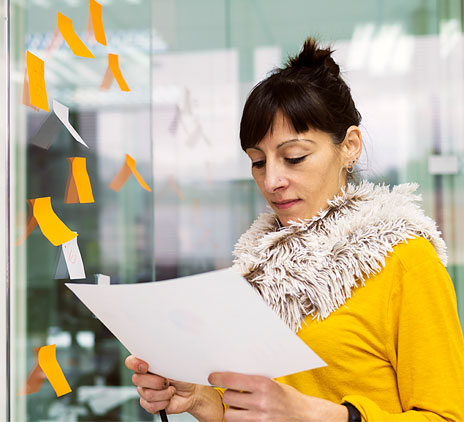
[{"x": 189, "y": 65}]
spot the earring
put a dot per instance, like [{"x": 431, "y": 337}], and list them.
[{"x": 350, "y": 168}]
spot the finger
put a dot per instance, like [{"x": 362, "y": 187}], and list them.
[
  {"x": 236, "y": 415},
  {"x": 153, "y": 407},
  {"x": 155, "y": 382},
  {"x": 236, "y": 381},
  {"x": 238, "y": 399},
  {"x": 152, "y": 396},
  {"x": 136, "y": 364}
]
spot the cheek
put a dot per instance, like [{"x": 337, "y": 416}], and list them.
[{"x": 319, "y": 173}]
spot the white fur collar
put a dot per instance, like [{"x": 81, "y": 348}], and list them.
[{"x": 311, "y": 266}]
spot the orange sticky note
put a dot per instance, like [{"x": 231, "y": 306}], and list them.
[
  {"x": 35, "y": 379},
  {"x": 172, "y": 182},
  {"x": 55, "y": 42},
  {"x": 36, "y": 79},
  {"x": 97, "y": 21},
  {"x": 113, "y": 66},
  {"x": 128, "y": 167},
  {"x": 31, "y": 224},
  {"x": 50, "y": 225},
  {"x": 52, "y": 369},
  {"x": 65, "y": 25},
  {"x": 78, "y": 188}
]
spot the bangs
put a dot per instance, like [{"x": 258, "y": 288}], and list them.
[{"x": 303, "y": 108}]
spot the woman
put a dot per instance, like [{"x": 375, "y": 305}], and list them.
[{"x": 357, "y": 271}]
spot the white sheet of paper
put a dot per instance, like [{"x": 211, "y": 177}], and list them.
[
  {"x": 70, "y": 262},
  {"x": 188, "y": 327},
  {"x": 62, "y": 112}
]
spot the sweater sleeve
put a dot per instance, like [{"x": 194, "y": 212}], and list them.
[
  {"x": 224, "y": 406},
  {"x": 426, "y": 349}
]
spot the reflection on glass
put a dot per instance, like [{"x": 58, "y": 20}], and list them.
[{"x": 189, "y": 72}]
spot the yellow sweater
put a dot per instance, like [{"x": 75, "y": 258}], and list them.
[{"x": 395, "y": 350}]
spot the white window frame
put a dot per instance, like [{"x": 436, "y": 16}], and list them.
[{"x": 4, "y": 215}]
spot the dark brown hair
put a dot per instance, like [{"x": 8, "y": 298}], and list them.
[{"x": 308, "y": 90}]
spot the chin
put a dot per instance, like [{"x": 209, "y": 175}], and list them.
[{"x": 285, "y": 220}]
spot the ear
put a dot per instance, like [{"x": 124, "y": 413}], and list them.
[{"x": 352, "y": 144}]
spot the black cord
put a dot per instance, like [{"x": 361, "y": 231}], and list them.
[{"x": 163, "y": 416}]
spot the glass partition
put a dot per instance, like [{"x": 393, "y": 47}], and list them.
[
  {"x": 189, "y": 66},
  {"x": 115, "y": 228}
]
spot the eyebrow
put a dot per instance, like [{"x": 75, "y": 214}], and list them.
[{"x": 287, "y": 142}]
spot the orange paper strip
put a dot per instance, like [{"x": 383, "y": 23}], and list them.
[
  {"x": 121, "y": 178},
  {"x": 52, "y": 369},
  {"x": 36, "y": 78},
  {"x": 107, "y": 80},
  {"x": 113, "y": 63},
  {"x": 172, "y": 182},
  {"x": 78, "y": 188},
  {"x": 97, "y": 22},
  {"x": 55, "y": 42},
  {"x": 131, "y": 163},
  {"x": 35, "y": 379},
  {"x": 65, "y": 25},
  {"x": 50, "y": 225},
  {"x": 31, "y": 224},
  {"x": 118, "y": 182},
  {"x": 26, "y": 98},
  {"x": 89, "y": 35}
]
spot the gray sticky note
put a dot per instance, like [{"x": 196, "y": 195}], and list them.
[
  {"x": 48, "y": 132},
  {"x": 61, "y": 267}
]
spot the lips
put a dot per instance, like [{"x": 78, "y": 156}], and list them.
[{"x": 283, "y": 205}]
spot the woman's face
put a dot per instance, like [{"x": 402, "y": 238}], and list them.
[{"x": 297, "y": 173}]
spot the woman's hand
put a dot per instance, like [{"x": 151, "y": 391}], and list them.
[
  {"x": 157, "y": 393},
  {"x": 257, "y": 398}
]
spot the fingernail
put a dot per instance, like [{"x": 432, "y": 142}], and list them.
[{"x": 140, "y": 367}]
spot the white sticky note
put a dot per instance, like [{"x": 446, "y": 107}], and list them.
[
  {"x": 443, "y": 164},
  {"x": 102, "y": 279},
  {"x": 70, "y": 262},
  {"x": 203, "y": 323},
  {"x": 62, "y": 112}
]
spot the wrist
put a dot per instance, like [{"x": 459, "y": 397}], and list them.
[
  {"x": 337, "y": 413},
  {"x": 324, "y": 410},
  {"x": 206, "y": 404}
]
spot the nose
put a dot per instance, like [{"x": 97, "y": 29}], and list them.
[{"x": 274, "y": 178}]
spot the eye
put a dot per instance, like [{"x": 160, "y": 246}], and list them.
[
  {"x": 296, "y": 160},
  {"x": 258, "y": 164}
]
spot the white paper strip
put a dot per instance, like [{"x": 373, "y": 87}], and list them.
[
  {"x": 62, "y": 112},
  {"x": 70, "y": 262},
  {"x": 102, "y": 279}
]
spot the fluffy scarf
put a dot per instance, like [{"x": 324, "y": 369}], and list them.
[{"x": 311, "y": 266}]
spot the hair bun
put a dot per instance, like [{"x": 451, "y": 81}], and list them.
[{"x": 314, "y": 57}]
